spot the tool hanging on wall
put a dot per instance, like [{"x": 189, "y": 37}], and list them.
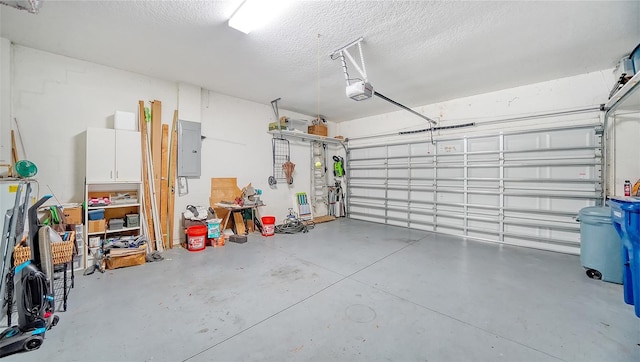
[
  {"x": 338, "y": 166},
  {"x": 280, "y": 155},
  {"x": 288, "y": 168},
  {"x": 336, "y": 200}
]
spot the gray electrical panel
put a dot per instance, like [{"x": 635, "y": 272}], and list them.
[{"x": 189, "y": 149}]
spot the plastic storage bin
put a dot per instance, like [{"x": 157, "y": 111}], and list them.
[
  {"x": 600, "y": 245},
  {"x": 133, "y": 220},
  {"x": 96, "y": 214},
  {"x": 625, "y": 214},
  {"x": 213, "y": 228},
  {"x": 115, "y": 224}
]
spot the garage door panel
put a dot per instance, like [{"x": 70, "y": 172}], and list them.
[
  {"x": 422, "y": 173},
  {"x": 483, "y": 225},
  {"x": 421, "y": 196},
  {"x": 488, "y": 200},
  {"x": 483, "y": 144},
  {"x": 359, "y": 173},
  {"x": 521, "y": 188},
  {"x": 396, "y": 173},
  {"x": 422, "y": 149},
  {"x": 398, "y": 194},
  {"x": 450, "y": 197},
  {"x": 450, "y": 210},
  {"x": 451, "y": 172},
  {"x": 357, "y": 191}
]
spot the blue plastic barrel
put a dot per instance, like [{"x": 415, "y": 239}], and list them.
[
  {"x": 600, "y": 245},
  {"x": 625, "y": 215}
]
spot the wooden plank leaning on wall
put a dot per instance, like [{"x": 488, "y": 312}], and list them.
[
  {"x": 164, "y": 185},
  {"x": 173, "y": 159},
  {"x": 145, "y": 177},
  {"x": 156, "y": 146}
]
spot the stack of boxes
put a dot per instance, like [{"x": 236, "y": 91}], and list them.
[
  {"x": 73, "y": 219},
  {"x": 97, "y": 222}
]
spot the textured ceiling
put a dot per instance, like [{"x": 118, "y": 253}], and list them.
[{"x": 416, "y": 52}]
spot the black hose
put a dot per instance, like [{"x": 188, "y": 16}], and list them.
[{"x": 293, "y": 226}]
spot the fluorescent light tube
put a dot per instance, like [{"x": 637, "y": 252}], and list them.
[{"x": 252, "y": 14}]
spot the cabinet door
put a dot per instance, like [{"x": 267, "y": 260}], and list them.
[
  {"x": 101, "y": 157},
  {"x": 128, "y": 156}
]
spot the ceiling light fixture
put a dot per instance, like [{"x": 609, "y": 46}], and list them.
[{"x": 252, "y": 14}]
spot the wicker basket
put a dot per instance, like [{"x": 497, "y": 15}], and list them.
[{"x": 62, "y": 251}]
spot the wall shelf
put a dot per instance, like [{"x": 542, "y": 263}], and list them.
[
  {"x": 114, "y": 231},
  {"x": 112, "y": 206},
  {"x": 306, "y": 137}
]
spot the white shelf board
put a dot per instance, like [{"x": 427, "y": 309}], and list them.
[
  {"x": 112, "y": 206},
  {"x": 111, "y": 183},
  {"x": 305, "y": 136},
  {"x": 114, "y": 231}
]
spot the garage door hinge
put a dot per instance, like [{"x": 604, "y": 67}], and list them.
[{"x": 599, "y": 130}]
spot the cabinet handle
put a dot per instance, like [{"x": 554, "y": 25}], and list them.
[
  {"x": 116, "y": 174},
  {"x": 111, "y": 174}
]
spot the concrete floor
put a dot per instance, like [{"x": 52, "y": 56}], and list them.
[{"x": 347, "y": 290}]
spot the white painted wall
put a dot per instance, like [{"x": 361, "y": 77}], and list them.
[
  {"x": 5, "y": 103},
  {"x": 237, "y": 145},
  {"x": 625, "y": 134},
  {"x": 55, "y": 98},
  {"x": 189, "y": 102}
]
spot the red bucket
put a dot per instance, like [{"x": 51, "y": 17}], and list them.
[
  {"x": 268, "y": 225},
  {"x": 196, "y": 237}
]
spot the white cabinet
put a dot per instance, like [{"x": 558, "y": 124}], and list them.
[
  {"x": 128, "y": 156},
  {"x": 113, "y": 155}
]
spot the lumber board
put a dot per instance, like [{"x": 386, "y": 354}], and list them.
[
  {"x": 173, "y": 158},
  {"x": 223, "y": 189},
  {"x": 156, "y": 145},
  {"x": 164, "y": 184},
  {"x": 320, "y": 219},
  {"x": 238, "y": 220},
  {"x": 145, "y": 176},
  {"x": 14, "y": 149},
  {"x": 155, "y": 213}
]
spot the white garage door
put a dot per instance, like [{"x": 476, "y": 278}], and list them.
[{"x": 523, "y": 188}]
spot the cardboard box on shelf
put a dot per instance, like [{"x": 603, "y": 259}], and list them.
[
  {"x": 97, "y": 226},
  {"x": 320, "y": 130},
  {"x": 126, "y": 257},
  {"x": 275, "y": 125},
  {"x": 73, "y": 215}
]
